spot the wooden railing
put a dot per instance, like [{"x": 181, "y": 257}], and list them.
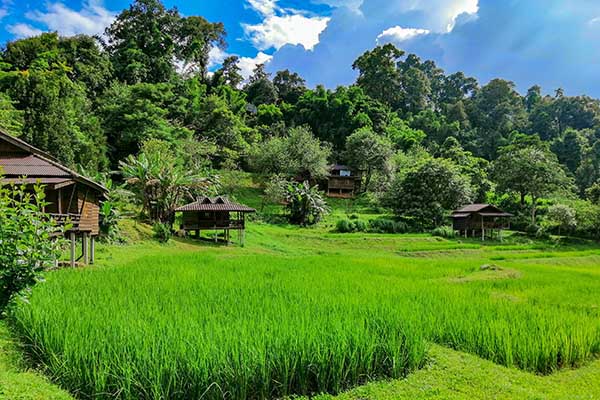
[
  {"x": 63, "y": 219},
  {"x": 231, "y": 224}
]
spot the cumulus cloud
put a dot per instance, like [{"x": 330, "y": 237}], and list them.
[
  {"x": 3, "y": 13},
  {"x": 548, "y": 42},
  {"x": 90, "y": 20},
  {"x": 283, "y": 26},
  {"x": 247, "y": 64},
  {"x": 399, "y": 34},
  {"x": 21, "y": 30}
]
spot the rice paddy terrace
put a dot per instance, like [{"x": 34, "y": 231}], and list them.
[{"x": 307, "y": 311}]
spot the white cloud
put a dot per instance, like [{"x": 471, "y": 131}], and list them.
[
  {"x": 277, "y": 31},
  {"x": 216, "y": 56},
  {"x": 23, "y": 30},
  {"x": 92, "y": 19},
  {"x": 264, "y": 7},
  {"x": 247, "y": 64},
  {"x": 3, "y": 13},
  {"x": 398, "y": 34}
]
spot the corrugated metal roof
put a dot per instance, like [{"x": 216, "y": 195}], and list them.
[
  {"x": 31, "y": 181},
  {"x": 460, "y": 215},
  {"x": 29, "y": 165},
  {"x": 473, "y": 207},
  {"x": 496, "y": 214},
  {"x": 216, "y": 204},
  {"x": 37, "y": 164}
]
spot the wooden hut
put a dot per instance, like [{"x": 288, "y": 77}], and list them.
[
  {"x": 215, "y": 214},
  {"x": 72, "y": 198},
  {"x": 480, "y": 219},
  {"x": 343, "y": 182}
]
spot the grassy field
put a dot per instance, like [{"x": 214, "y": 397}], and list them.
[{"x": 303, "y": 311}]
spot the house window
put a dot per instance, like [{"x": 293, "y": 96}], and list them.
[{"x": 345, "y": 172}]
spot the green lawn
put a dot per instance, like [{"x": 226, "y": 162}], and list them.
[{"x": 332, "y": 309}]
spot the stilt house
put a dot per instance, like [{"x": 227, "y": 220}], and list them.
[
  {"x": 72, "y": 198},
  {"x": 215, "y": 214},
  {"x": 343, "y": 182},
  {"x": 480, "y": 220}
]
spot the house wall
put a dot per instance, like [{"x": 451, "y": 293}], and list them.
[{"x": 89, "y": 205}]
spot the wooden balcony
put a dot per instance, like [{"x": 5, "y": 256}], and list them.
[{"x": 63, "y": 219}]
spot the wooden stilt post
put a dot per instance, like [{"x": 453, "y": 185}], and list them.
[
  {"x": 72, "y": 259},
  {"x": 85, "y": 248},
  {"x": 482, "y": 230},
  {"x": 92, "y": 249}
]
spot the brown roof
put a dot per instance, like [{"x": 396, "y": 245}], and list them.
[
  {"x": 35, "y": 163},
  {"x": 486, "y": 210},
  {"x": 219, "y": 203}
]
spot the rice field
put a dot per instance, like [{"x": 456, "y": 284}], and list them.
[{"x": 306, "y": 312}]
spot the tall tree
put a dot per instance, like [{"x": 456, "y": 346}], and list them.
[
  {"x": 228, "y": 74},
  {"x": 195, "y": 37},
  {"x": 368, "y": 152},
  {"x": 142, "y": 42},
  {"x": 378, "y": 74},
  {"x": 529, "y": 171},
  {"x": 260, "y": 89},
  {"x": 290, "y": 86}
]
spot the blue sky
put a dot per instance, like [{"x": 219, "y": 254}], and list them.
[{"x": 554, "y": 43}]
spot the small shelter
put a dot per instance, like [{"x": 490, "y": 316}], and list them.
[
  {"x": 215, "y": 214},
  {"x": 72, "y": 198},
  {"x": 479, "y": 219},
  {"x": 342, "y": 182}
]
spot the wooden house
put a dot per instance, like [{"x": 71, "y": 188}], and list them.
[
  {"x": 72, "y": 198},
  {"x": 343, "y": 182},
  {"x": 480, "y": 219},
  {"x": 215, "y": 214}
]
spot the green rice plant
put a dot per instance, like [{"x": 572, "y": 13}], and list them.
[{"x": 279, "y": 318}]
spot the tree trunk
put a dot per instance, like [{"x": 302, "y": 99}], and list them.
[{"x": 533, "y": 209}]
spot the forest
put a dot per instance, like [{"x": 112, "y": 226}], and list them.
[{"x": 142, "y": 103}]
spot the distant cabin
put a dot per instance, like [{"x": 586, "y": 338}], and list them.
[
  {"x": 72, "y": 198},
  {"x": 480, "y": 220},
  {"x": 343, "y": 181},
  {"x": 215, "y": 214}
]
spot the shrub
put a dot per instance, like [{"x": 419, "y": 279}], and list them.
[
  {"x": 344, "y": 226},
  {"x": 382, "y": 225},
  {"x": 305, "y": 204},
  {"x": 162, "y": 232},
  {"x": 26, "y": 248},
  {"x": 360, "y": 226},
  {"x": 443, "y": 231}
]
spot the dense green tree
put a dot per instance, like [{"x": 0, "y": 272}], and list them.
[
  {"x": 260, "y": 89},
  {"x": 298, "y": 155},
  {"x": 11, "y": 119},
  {"x": 426, "y": 193},
  {"x": 563, "y": 217},
  {"x": 499, "y": 111},
  {"x": 475, "y": 168},
  {"x": 368, "y": 152},
  {"x": 133, "y": 114},
  {"x": 378, "y": 74},
  {"x": 194, "y": 39},
  {"x": 142, "y": 42},
  {"x": 570, "y": 149},
  {"x": 228, "y": 73},
  {"x": 529, "y": 171},
  {"x": 290, "y": 86}
]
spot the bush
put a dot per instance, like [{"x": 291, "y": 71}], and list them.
[
  {"x": 344, "y": 226},
  {"x": 26, "y": 247},
  {"x": 360, "y": 226},
  {"x": 382, "y": 225},
  {"x": 306, "y": 204},
  {"x": 162, "y": 232},
  {"x": 347, "y": 226},
  {"x": 444, "y": 231}
]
